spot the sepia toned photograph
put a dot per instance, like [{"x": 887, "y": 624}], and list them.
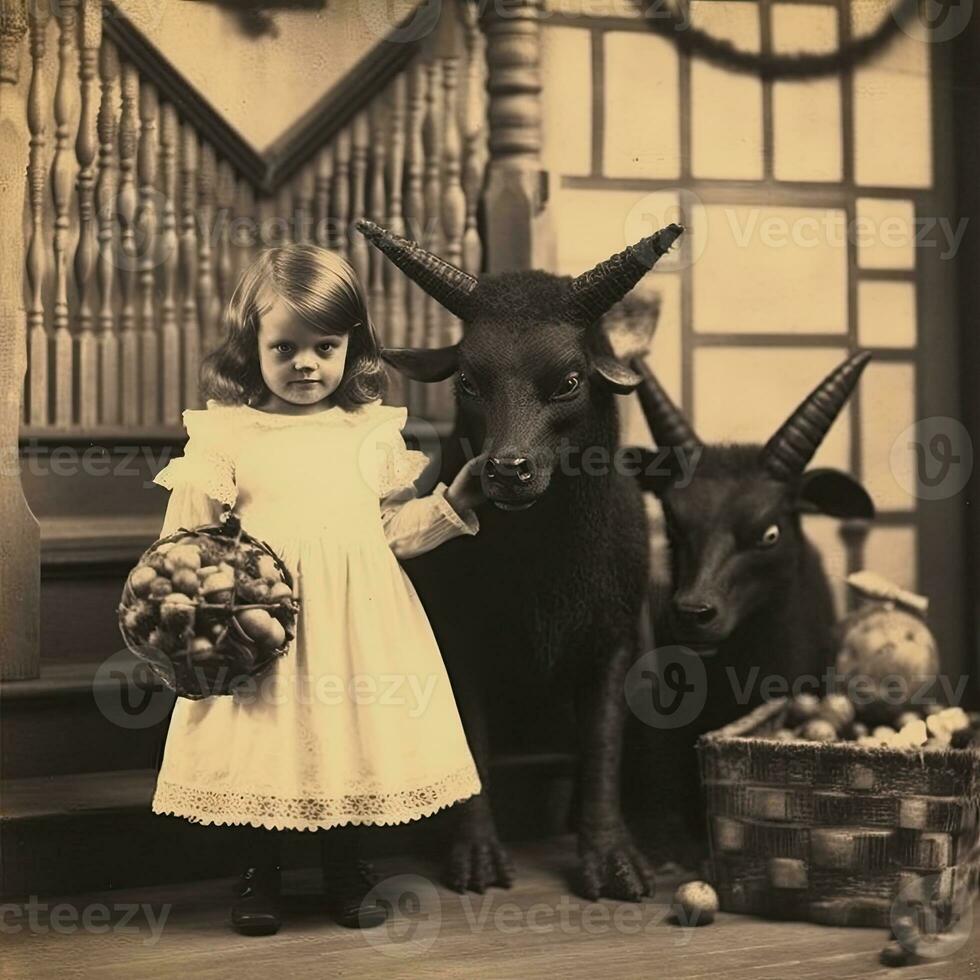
[{"x": 488, "y": 489}]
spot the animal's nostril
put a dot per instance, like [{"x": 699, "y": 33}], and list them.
[
  {"x": 511, "y": 468},
  {"x": 696, "y": 612}
]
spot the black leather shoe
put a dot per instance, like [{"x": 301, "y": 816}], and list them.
[
  {"x": 346, "y": 885},
  {"x": 256, "y": 908}
]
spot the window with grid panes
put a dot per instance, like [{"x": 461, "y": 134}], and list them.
[{"x": 802, "y": 201}]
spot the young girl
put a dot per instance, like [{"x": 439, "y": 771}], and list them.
[{"x": 357, "y": 723}]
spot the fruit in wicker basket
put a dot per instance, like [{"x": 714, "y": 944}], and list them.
[
  {"x": 251, "y": 589},
  {"x": 140, "y": 617},
  {"x": 140, "y": 580},
  {"x": 185, "y": 581},
  {"x": 184, "y": 556},
  {"x": 802, "y": 708},
  {"x": 261, "y": 627},
  {"x": 161, "y": 586}
]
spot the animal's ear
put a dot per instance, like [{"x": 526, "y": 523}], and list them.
[
  {"x": 651, "y": 475},
  {"x": 422, "y": 363},
  {"x": 828, "y": 491},
  {"x": 626, "y": 331}
]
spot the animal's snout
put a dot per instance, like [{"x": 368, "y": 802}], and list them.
[
  {"x": 509, "y": 471},
  {"x": 694, "y": 614}
]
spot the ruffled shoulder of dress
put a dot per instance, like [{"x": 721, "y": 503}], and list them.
[
  {"x": 217, "y": 421},
  {"x": 376, "y": 414}
]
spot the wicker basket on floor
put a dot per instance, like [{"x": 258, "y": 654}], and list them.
[{"x": 835, "y": 832}]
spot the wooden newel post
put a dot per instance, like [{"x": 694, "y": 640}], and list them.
[
  {"x": 20, "y": 552},
  {"x": 517, "y": 236}
]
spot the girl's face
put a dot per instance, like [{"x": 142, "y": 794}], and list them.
[{"x": 300, "y": 366}]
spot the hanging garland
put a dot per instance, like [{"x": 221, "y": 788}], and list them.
[{"x": 668, "y": 23}]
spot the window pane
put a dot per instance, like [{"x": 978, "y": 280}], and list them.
[
  {"x": 726, "y": 108},
  {"x": 806, "y": 115},
  {"x": 642, "y": 102},
  {"x": 664, "y": 358},
  {"x": 887, "y": 409},
  {"x": 891, "y": 551},
  {"x": 591, "y": 225},
  {"x": 744, "y": 394},
  {"x": 765, "y": 270},
  {"x": 892, "y": 113},
  {"x": 566, "y": 100},
  {"x": 886, "y": 314},
  {"x": 885, "y": 234}
]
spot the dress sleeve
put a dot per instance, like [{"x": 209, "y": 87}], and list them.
[
  {"x": 413, "y": 525},
  {"x": 202, "y": 481}
]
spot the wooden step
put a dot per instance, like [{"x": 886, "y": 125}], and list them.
[
  {"x": 74, "y": 832},
  {"x": 80, "y": 717}
]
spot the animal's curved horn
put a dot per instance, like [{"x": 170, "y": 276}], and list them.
[
  {"x": 666, "y": 421},
  {"x": 595, "y": 291},
  {"x": 443, "y": 281},
  {"x": 787, "y": 453}
]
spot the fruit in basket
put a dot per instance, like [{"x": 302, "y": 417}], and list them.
[
  {"x": 695, "y": 903},
  {"x": 140, "y": 617},
  {"x": 184, "y": 556},
  {"x": 177, "y": 611},
  {"x": 838, "y": 709},
  {"x": 140, "y": 579},
  {"x": 201, "y": 649},
  {"x": 818, "y": 730},
  {"x": 161, "y": 586},
  {"x": 185, "y": 581},
  {"x": 261, "y": 627},
  {"x": 218, "y": 587},
  {"x": 887, "y": 654},
  {"x": 280, "y": 592},
  {"x": 802, "y": 708},
  {"x": 251, "y": 589},
  {"x": 267, "y": 568}
]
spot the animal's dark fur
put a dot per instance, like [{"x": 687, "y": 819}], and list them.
[
  {"x": 545, "y": 601},
  {"x": 773, "y": 633}
]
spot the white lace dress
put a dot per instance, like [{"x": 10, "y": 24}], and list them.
[{"x": 357, "y": 723}]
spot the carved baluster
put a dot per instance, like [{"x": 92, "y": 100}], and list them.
[
  {"x": 376, "y": 210},
  {"x": 285, "y": 215},
  {"x": 105, "y": 192},
  {"x": 37, "y": 122},
  {"x": 206, "y": 177},
  {"x": 61, "y": 184},
  {"x": 20, "y": 567},
  {"x": 453, "y": 211},
  {"x": 415, "y": 214},
  {"x": 359, "y": 155},
  {"x": 474, "y": 136},
  {"x": 245, "y": 233},
  {"x": 432, "y": 192},
  {"x": 128, "y": 260},
  {"x": 189, "y": 327},
  {"x": 341, "y": 192},
  {"x": 394, "y": 281},
  {"x": 324, "y": 173},
  {"x": 302, "y": 204},
  {"x": 146, "y": 224},
  {"x": 169, "y": 331},
  {"x": 515, "y": 234},
  {"x": 225, "y": 266},
  {"x": 85, "y": 148}
]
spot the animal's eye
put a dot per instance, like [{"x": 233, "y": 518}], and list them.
[
  {"x": 769, "y": 536},
  {"x": 465, "y": 384},
  {"x": 568, "y": 387}
]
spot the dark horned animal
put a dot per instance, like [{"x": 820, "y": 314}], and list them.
[
  {"x": 546, "y": 598},
  {"x": 749, "y": 592}
]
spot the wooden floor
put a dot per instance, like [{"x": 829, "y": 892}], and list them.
[{"x": 534, "y": 930}]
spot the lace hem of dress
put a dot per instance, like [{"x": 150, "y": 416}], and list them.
[
  {"x": 207, "y": 806},
  {"x": 212, "y": 478}
]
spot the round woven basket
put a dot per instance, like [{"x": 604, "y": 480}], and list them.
[{"x": 201, "y": 649}]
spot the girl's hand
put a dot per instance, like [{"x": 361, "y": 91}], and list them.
[{"x": 466, "y": 490}]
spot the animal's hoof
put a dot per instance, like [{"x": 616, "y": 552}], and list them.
[
  {"x": 616, "y": 869},
  {"x": 476, "y": 865}
]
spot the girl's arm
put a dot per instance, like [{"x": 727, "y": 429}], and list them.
[{"x": 414, "y": 525}]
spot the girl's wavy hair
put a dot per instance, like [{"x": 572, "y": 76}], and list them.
[{"x": 321, "y": 287}]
